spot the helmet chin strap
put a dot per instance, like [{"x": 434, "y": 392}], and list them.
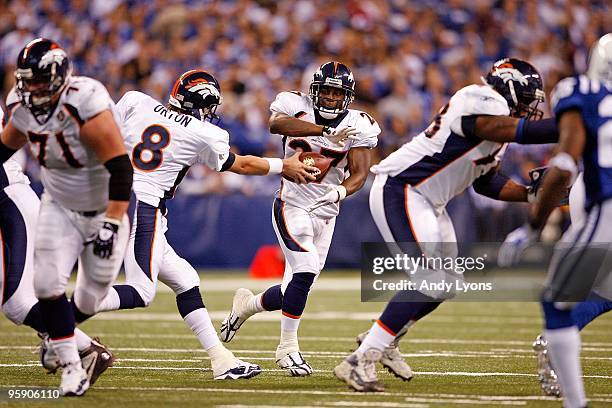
[{"x": 328, "y": 115}]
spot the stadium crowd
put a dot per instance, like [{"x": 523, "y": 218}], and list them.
[{"x": 408, "y": 56}]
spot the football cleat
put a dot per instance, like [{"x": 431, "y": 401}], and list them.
[
  {"x": 295, "y": 364},
  {"x": 96, "y": 359},
  {"x": 360, "y": 372},
  {"x": 392, "y": 359},
  {"x": 242, "y": 369},
  {"x": 238, "y": 315},
  {"x": 546, "y": 375},
  {"x": 74, "y": 380}
]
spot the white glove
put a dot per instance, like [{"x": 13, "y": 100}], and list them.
[
  {"x": 515, "y": 243},
  {"x": 340, "y": 135},
  {"x": 332, "y": 196}
]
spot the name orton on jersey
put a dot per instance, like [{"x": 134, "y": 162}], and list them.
[{"x": 177, "y": 117}]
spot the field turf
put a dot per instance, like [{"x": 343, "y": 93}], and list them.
[{"x": 464, "y": 355}]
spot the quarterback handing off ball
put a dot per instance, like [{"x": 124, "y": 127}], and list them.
[{"x": 322, "y": 163}]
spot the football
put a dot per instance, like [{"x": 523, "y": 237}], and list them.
[{"x": 317, "y": 160}]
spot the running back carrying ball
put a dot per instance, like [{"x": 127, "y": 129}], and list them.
[{"x": 316, "y": 160}]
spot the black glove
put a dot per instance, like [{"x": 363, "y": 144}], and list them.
[
  {"x": 103, "y": 243},
  {"x": 535, "y": 180}
]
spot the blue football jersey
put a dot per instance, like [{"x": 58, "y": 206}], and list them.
[{"x": 594, "y": 100}]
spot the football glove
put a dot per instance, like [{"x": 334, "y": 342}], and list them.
[
  {"x": 332, "y": 196},
  {"x": 515, "y": 243},
  {"x": 535, "y": 180},
  {"x": 103, "y": 243},
  {"x": 339, "y": 135}
]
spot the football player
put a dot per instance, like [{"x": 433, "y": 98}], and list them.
[
  {"x": 87, "y": 175},
  {"x": 584, "y": 312},
  {"x": 19, "y": 207},
  {"x": 583, "y": 108},
  {"x": 304, "y": 215},
  {"x": 463, "y": 146},
  {"x": 164, "y": 142}
]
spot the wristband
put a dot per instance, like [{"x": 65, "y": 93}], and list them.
[
  {"x": 276, "y": 165},
  {"x": 113, "y": 221},
  {"x": 341, "y": 192},
  {"x": 565, "y": 162}
]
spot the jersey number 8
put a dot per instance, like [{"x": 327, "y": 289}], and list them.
[{"x": 148, "y": 155}]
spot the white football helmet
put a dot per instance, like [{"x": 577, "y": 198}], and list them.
[{"x": 600, "y": 61}]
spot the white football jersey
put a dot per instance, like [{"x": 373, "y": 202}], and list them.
[
  {"x": 10, "y": 171},
  {"x": 300, "y": 105},
  {"x": 441, "y": 161},
  {"x": 70, "y": 170},
  {"x": 163, "y": 144}
]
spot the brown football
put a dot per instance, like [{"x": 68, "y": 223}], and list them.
[{"x": 316, "y": 160}]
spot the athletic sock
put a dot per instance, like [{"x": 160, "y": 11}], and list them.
[
  {"x": 380, "y": 337},
  {"x": 66, "y": 350},
  {"x": 564, "y": 352},
  {"x": 192, "y": 310},
  {"x": 83, "y": 341},
  {"x": 255, "y": 304},
  {"x": 200, "y": 324}
]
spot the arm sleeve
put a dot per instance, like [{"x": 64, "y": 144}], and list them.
[
  {"x": 474, "y": 104},
  {"x": 91, "y": 100},
  {"x": 287, "y": 103},
  {"x": 17, "y": 116},
  {"x": 368, "y": 137},
  {"x": 125, "y": 106},
  {"x": 217, "y": 150}
]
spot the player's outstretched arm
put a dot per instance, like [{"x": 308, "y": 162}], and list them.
[
  {"x": 11, "y": 140},
  {"x": 562, "y": 168},
  {"x": 498, "y": 186},
  {"x": 103, "y": 136},
  {"x": 291, "y": 167},
  {"x": 286, "y": 125},
  {"x": 506, "y": 129}
]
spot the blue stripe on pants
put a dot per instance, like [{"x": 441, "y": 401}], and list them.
[
  {"x": 14, "y": 245},
  {"x": 146, "y": 216}
]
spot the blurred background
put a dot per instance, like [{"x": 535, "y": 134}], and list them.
[{"x": 408, "y": 58}]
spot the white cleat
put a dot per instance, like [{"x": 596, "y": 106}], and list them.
[
  {"x": 294, "y": 363},
  {"x": 360, "y": 372},
  {"x": 546, "y": 375},
  {"x": 392, "y": 360},
  {"x": 74, "y": 380},
  {"x": 96, "y": 359},
  {"x": 238, "y": 315},
  {"x": 241, "y": 369}
]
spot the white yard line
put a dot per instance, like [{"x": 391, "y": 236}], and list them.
[{"x": 432, "y": 373}]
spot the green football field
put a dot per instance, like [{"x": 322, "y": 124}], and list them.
[{"x": 464, "y": 355}]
